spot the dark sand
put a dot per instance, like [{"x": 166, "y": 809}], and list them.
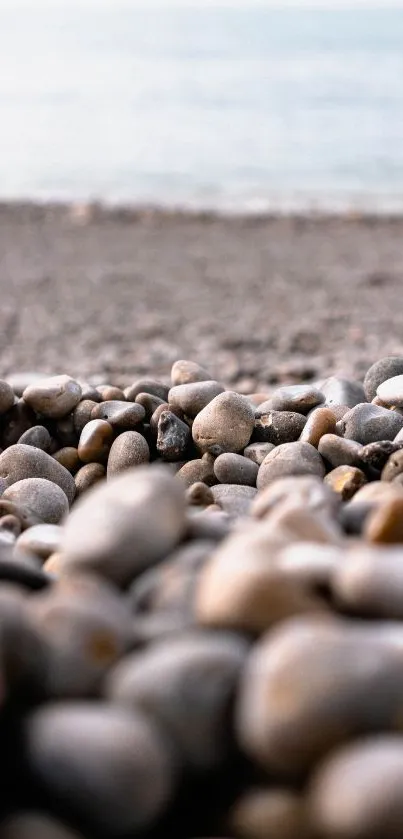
[{"x": 116, "y": 295}]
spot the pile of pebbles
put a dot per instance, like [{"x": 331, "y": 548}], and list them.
[{"x": 201, "y": 608}]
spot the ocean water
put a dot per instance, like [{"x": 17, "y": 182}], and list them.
[{"x": 238, "y": 108}]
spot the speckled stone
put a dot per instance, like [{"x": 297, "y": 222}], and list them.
[
  {"x": 233, "y": 498},
  {"x": 290, "y": 459},
  {"x": 20, "y": 461},
  {"x": 230, "y": 468},
  {"x": 45, "y": 498},
  {"x": 53, "y": 397},
  {"x": 144, "y": 506},
  {"x": 191, "y": 398},
  {"x": 146, "y": 386},
  {"x": 307, "y": 491},
  {"x": 340, "y": 391},
  {"x": 375, "y": 456},
  {"x": 88, "y": 476},
  {"x": 82, "y": 414},
  {"x": 393, "y": 466},
  {"x": 150, "y": 404},
  {"x": 95, "y": 441},
  {"x": 7, "y": 397},
  {"x": 68, "y": 457},
  {"x": 224, "y": 425},
  {"x": 37, "y": 436},
  {"x": 123, "y": 416},
  {"x": 345, "y": 481},
  {"x": 129, "y": 449},
  {"x": 299, "y": 398},
  {"x": 184, "y": 372},
  {"x": 277, "y": 427},
  {"x": 41, "y": 540},
  {"x": 198, "y": 469},
  {"x": 385, "y": 368},
  {"x": 368, "y": 423},
  {"x": 321, "y": 421},
  {"x": 256, "y": 452},
  {"x": 174, "y": 437}
]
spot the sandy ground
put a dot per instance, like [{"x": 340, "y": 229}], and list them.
[{"x": 116, "y": 295}]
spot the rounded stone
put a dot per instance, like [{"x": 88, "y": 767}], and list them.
[
  {"x": 224, "y": 425},
  {"x": 338, "y": 451},
  {"x": 375, "y": 456},
  {"x": 110, "y": 392},
  {"x": 369, "y": 582},
  {"x": 385, "y": 524},
  {"x": 320, "y": 421},
  {"x": 340, "y": 391},
  {"x": 68, "y": 457},
  {"x": 18, "y": 419},
  {"x": 385, "y": 368},
  {"x": 31, "y": 825},
  {"x": 290, "y": 459},
  {"x": 198, "y": 469},
  {"x": 150, "y": 404},
  {"x": 37, "y": 436},
  {"x": 117, "y": 774},
  {"x": 368, "y": 423},
  {"x": 256, "y": 452},
  {"x": 185, "y": 372},
  {"x": 277, "y": 427},
  {"x": 41, "y": 540},
  {"x": 82, "y": 414},
  {"x": 186, "y": 684},
  {"x": 45, "y": 498},
  {"x": 88, "y": 476},
  {"x": 191, "y": 398},
  {"x": 393, "y": 466},
  {"x": 20, "y": 461},
  {"x": 95, "y": 441},
  {"x": 234, "y": 499},
  {"x": 230, "y": 468},
  {"x": 174, "y": 437},
  {"x": 299, "y": 398},
  {"x": 7, "y": 397},
  {"x": 261, "y": 812},
  {"x": 307, "y": 491},
  {"x": 53, "y": 397},
  {"x": 124, "y": 525},
  {"x": 390, "y": 392},
  {"x": 120, "y": 415},
  {"x": 199, "y": 495},
  {"x": 357, "y": 791},
  {"x": 146, "y": 386},
  {"x": 129, "y": 449},
  {"x": 345, "y": 481}
]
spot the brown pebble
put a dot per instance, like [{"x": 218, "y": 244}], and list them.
[
  {"x": 11, "y": 523},
  {"x": 234, "y": 499},
  {"x": 369, "y": 582},
  {"x": 95, "y": 441},
  {"x": 224, "y": 425},
  {"x": 191, "y": 398},
  {"x": 146, "y": 386},
  {"x": 88, "y": 476},
  {"x": 261, "y": 812},
  {"x": 129, "y": 449},
  {"x": 82, "y": 414},
  {"x": 320, "y": 421},
  {"x": 393, "y": 466},
  {"x": 290, "y": 459},
  {"x": 68, "y": 457},
  {"x": 385, "y": 524},
  {"x": 256, "y": 452},
  {"x": 53, "y": 397},
  {"x": 199, "y": 469},
  {"x": 110, "y": 392},
  {"x": 277, "y": 427},
  {"x": 185, "y": 372},
  {"x": 230, "y": 468},
  {"x": 199, "y": 494},
  {"x": 150, "y": 404},
  {"x": 122, "y": 416},
  {"x": 377, "y": 492},
  {"x": 345, "y": 481},
  {"x": 337, "y": 451}
]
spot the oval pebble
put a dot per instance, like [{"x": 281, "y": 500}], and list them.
[
  {"x": 20, "y": 461},
  {"x": 300, "y": 398},
  {"x": 385, "y": 368},
  {"x": 129, "y": 449},
  {"x": 234, "y": 499},
  {"x": 95, "y": 441},
  {"x": 41, "y": 540},
  {"x": 191, "y": 398},
  {"x": 340, "y": 391},
  {"x": 146, "y": 386},
  {"x": 44, "y": 498},
  {"x": 290, "y": 459},
  {"x": 277, "y": 427},
  {"x": 198, "y": 469},
  {"x": 7, "y": 397},
  {"x": 368, "y": 423},
  {"x": 224, "y": 425},
  {"x": 306, "y": 491},
  {"x": 184, "y": 372},
  {"x": 120, "y": 415},
  {"x": 230, "y": 468},
  {"x": 390, "y": 392},
  {"x": 345, "y": 481},
  {"x": 88, "y": 476},
  {"x": 320, "y": 421},
  {"x": 110, "y": 392},
  {"x": 53, "y": 397},
  {"x": 37, "y": 436}
]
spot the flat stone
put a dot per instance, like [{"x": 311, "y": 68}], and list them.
[
  {"x": 277, "y": 427},
  {"x": 45, "y": 498},
  {"x": 191, "y": 398},
  {"x": 385, "y": 368},
  {"x": 290, "y": 459},
  {"x": 224, "y": 425},
  {"x": 368, "y": 423},
  {"x": 95, "y": 441},
  {"x": 230, "y": 468},
  {"x": 128, "y": 450},
  {"x": 20, "y": 461},
  {"x": 53, "y": 397},
  {"x": 143, "y": 507}
]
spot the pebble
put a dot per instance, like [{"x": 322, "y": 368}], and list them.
[
  {"x": 375, "y": 455},
  {"x": 53, "y": 397},
  {"x": 345, "y": 481},
  {"x": 20, "y": 461},
  {"x": 88, "y": 476},
  {"x": 69, "y": 458},
  {"x": 185, "y": 684},
  {"x": 95, "y": 441},
  {"x": 150, "y": 403},
  {"x": 198, "y": 469},
  {"x": 128, "y": 450},
  {"x": 369, "y": 582},
  {"x": 82, "y": 414},
  {"x": 20, "y": 380},
  {"x": 224, "y": 425},
  {"x": 234, "y": 499},
  {"x": 393, "y": 466},
  {"x": 117, "y": 774},
  {"x": 369, "y": 423},
  {"x": 277, "y": 427},
  {"x": 110, "y": 392},
  {"x": 230, "y": 468},
  {"x": 320, "y": 421},
  {"x": 191, "y": 398},
  {"x": 391, "y": 392},
  {"x": 290, "y": 459},
  {"x": 174, "y": 437},
  {"x": 146, "y": 386},
  {"x": 15, "y": 422},
  {"x": 262, "y": 812},
  {"x": 120, "y": 415},
  {"x": 300, "y": 398},
  {"x": 303, "y": 490},
  {"x": 37, "y": 436},
  {"x": 41, "y": 540},
  {"x": 384, "y": 369},
  {"x": 199, "y": 494},
  {"x": 352, "y": 517},
  {"x": 338, "y": 451},
  {"x": 385, "y": 523},
  {"x": 340, "y": 391},
  {"x": 105, "y": 524},
  {"x": 7, "y": 397},
  {"x": 357, "y": 791},
  {"x": 44, "y": 498},
  {"x": 256, "y": 452},
  {"x": 185, "y": 372}
]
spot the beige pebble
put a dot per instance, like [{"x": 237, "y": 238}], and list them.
[
  {"x": 224, "y": 425},
  {"x": 234, "y": 499},
  {"x": 308, "y": 491},
  {"x": 53, "y": 397},
  {"x": 44, "y": 498},
  {"x": 199, "y": 494},
  {"x": 256, "y": 452},
  {"x": 120, "y": 415},
  {"x": 110, "y": 392},
  {"x": 82, "y": 414},
  {"x": 290, "y": 459},
  {"x": 369, "y": 582},
  {"x": 184, "y": 372},
  {"x": 88, "y": 476},
  {"x": 20, "y": 461},
  {"x": 95, "y": 441},
  {"x": 151, "y": 386},
  {"x": 129, "y": 449},
  {"x": 191, "y": 398},
  {"x": 230, "y": 468},
  {"x": 377, "y": 492},
  {"x": 41, "y": 540},
  {"x": 199, "y": 469}
]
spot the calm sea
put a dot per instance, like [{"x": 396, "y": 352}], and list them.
[{"x": 243, "y": 108}]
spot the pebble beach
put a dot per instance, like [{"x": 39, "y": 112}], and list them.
[{"x": 201, "y": 525}]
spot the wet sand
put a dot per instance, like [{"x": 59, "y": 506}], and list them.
[{"x": 113, "y": 295}]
